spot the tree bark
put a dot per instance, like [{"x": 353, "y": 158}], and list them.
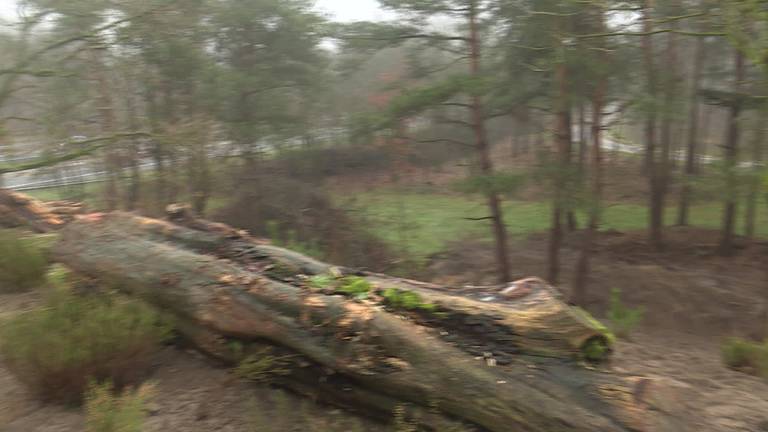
[
  {"x": 755, "y": 180},
  {"x": 484, "y": 154},
  {"x": 693, "y": 134},
  {"x": 371, "y": 350},
  {"x": 665, "y": 163},
  {"x": 562, "y": 144},
  {"x": 579, "y": 295},
  {"x": 730, "y": 159},
  {"x": 656, "y": 216},
  {"x": 107, "y": 117}
]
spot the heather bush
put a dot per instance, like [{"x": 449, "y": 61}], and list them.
[
  {"x": 22, "y": 262},
  {"x": 58, "y": 349}
]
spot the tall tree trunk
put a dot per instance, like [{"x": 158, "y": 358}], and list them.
[
  {"x": 583, "y": 268},
  {"x": 107, "y": 124},
  {"x": 651, "y": 164},
  {"x": 132, "y": 197},
  {"x": 662, "y": 165},
  {"x": 693, "y": 134},
  {"x": 730, "y": 159},
  {"x": 583, "y": 145},
  {"x": 573, "y": 223},
  {"x": 755, "y": 180},
  {"x": 484, "y": 154},
  {"x": 158, "y": 155},
  {"x": 562, "y": 143}
]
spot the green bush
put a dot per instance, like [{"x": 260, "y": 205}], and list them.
[
  {"x": 57, "y": 349},
  {"x": 106, "y": 411},
  {"x": 623, "y": 319},
  {"x": 746, "y": 355},
  {"x": 22, "y": 263}
]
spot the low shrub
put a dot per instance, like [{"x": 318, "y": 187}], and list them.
[
  {"x": 623, "y": 319},
  {"x": 57, "y": 349},
  {"x": 263, "y": 367},
  {"x": 106, "y": 411},
  {"x": 22, "y": 262},
  {"x": 748, "y": 356}
]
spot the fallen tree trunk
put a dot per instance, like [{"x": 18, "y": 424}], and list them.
[
  {"x": 20, "y": 210},
  {"x": 373, "y": 341}
]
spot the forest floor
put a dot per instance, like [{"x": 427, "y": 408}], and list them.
[{"x": 693, "y": 299}]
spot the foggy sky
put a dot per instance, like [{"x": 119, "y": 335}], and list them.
[{"x": 340, "y": 10}]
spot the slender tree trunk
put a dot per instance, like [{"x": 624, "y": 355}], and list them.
[
  {"x": 562, "y": 143},
  {"x": 730, "y": 158},
  {"x": 483, "y": 150},
  {"x": 107, "y": 120},
  {"x": 132, "y": 197},
  {"x": 693, "y": 134},
  {"x": 583, "y": 145},
  {"x": 662, "y": 165},
  {"x": 583, "y": 267},
  {"x": 651, "y": 166},
  {"x": 755, "y": 181},
  {"x": 573, "y": 223}
]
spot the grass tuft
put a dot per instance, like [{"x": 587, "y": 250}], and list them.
[{"x": 107, "y": 411}]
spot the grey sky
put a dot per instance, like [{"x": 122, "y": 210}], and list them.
[
  {"x": 340, "y": 10},
  {"x": 7, "y": 8},
  {"x": 351, "y": 10}
]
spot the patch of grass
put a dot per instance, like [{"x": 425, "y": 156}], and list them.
[
  {"x": 57, "y": 349},
  {"x": 22, "y": 262},
  {"x": 623, "y": 319},
  {"x": 433, "y": 219},
  {"x": 741, "y": 354},
  {"x": 106, "y": 411}
]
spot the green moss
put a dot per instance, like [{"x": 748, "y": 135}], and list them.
[
  {"x": 591, "y": 322},
  {"x": 596, "y": 349},
  {"x": 355, "y": 286},
  {"x": 407, "y": 300},
  {"x": 322, "y": 281}
]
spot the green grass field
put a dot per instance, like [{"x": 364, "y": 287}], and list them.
[{"x": 431, "y": 220}]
